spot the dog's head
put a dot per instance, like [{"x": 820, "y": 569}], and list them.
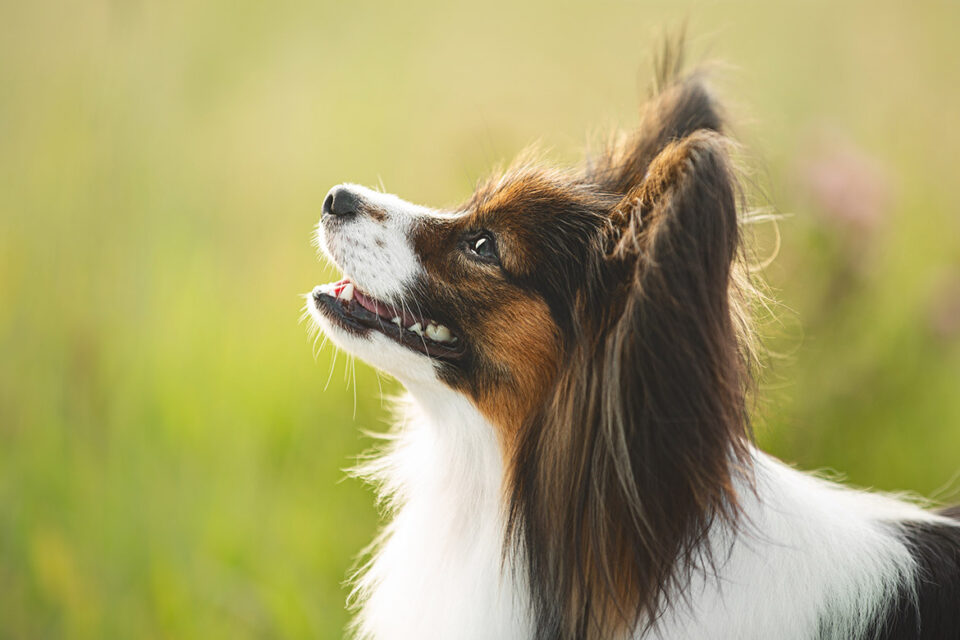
[
  {"x": 478, "y": 298},
  {"x": 592, "y": 315}
]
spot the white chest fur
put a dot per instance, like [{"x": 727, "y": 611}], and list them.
[
  {"x": 439, "y": 572},
  {"x": 812, "y": 559}
]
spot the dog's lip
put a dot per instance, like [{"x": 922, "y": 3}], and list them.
[{"x": 358, "y": 312}]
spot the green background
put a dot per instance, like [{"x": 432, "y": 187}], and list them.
[{"x": 170, "y": 464}]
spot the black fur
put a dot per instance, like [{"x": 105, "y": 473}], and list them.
[{"x": 934, "y": 613}]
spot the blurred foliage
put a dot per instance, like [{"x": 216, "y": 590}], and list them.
[{"x": 169, "y": 460}]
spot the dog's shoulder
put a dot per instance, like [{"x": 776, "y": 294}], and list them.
[{"x": 932, "y": 612}]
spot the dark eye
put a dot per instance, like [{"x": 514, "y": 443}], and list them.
[{"x": 484, "y": 247}]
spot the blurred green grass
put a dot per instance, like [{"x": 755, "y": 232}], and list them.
[{"x": 170, "y": 465}]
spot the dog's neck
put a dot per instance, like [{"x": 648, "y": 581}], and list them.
[
  {"x": 444, "y": 550},
  {"x": 463, "y": 442}
]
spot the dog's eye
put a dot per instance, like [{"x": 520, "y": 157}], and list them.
[{"x": 484, "y": 247}]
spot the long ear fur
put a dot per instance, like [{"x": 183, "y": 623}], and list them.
[
  {"x": 616, "y": 482},
  {"x": 680, "y": 106}
]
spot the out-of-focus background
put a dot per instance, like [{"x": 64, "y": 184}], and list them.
[{"x": 170, "y": 464}]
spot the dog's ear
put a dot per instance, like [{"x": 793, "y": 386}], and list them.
[
  {"x": 674, "y": 350},
  {"x": 678, "y": 107},
  {"x": 672, "y": 375},
  {"x": 617, "y": 481}
]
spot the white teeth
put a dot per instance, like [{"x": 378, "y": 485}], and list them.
[
  {"x": 346, "y": 293},
  {"x": 324, "y": 288},
  {"x": 439, "y": 333},
  {"x": 416, "y": 328},
  {"x": 397, "y": 322}
]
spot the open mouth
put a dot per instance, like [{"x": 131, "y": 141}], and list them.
[{"x": 356, "y": 311}]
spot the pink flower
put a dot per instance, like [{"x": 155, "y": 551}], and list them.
[
  {"x": 848, "y": 188},
  {"x": 943, "y": 315}
]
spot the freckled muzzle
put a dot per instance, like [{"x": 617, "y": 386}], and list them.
[{"x": 357, "y": 312}]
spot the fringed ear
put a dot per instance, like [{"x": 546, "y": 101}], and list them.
[
  {"x": 676, "y": 373},
  {"x": 618, "y": 480},
  {"x": 679, "y": 106},
  {"x": 672, "y": 377}
]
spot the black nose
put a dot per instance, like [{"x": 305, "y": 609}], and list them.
[{"x": 341, "y": 202}]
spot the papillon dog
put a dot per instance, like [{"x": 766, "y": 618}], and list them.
[{"x": 573, "y": 459}]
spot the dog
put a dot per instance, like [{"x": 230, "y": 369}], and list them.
[{"x": 573, "y": 459}]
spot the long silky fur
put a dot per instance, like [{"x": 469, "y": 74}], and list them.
[{"x": 617, "y": 479}]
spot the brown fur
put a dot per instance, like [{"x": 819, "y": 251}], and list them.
[
  {"x": 374, "y": 212},
  {"x": 509, "y": 325},
  {"x": 527, "y": 348}
]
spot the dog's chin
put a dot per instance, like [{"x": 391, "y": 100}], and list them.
[{"x": 374, "y": 348}]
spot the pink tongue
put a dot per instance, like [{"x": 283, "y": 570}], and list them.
[{"x": 384, "y": 311}]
